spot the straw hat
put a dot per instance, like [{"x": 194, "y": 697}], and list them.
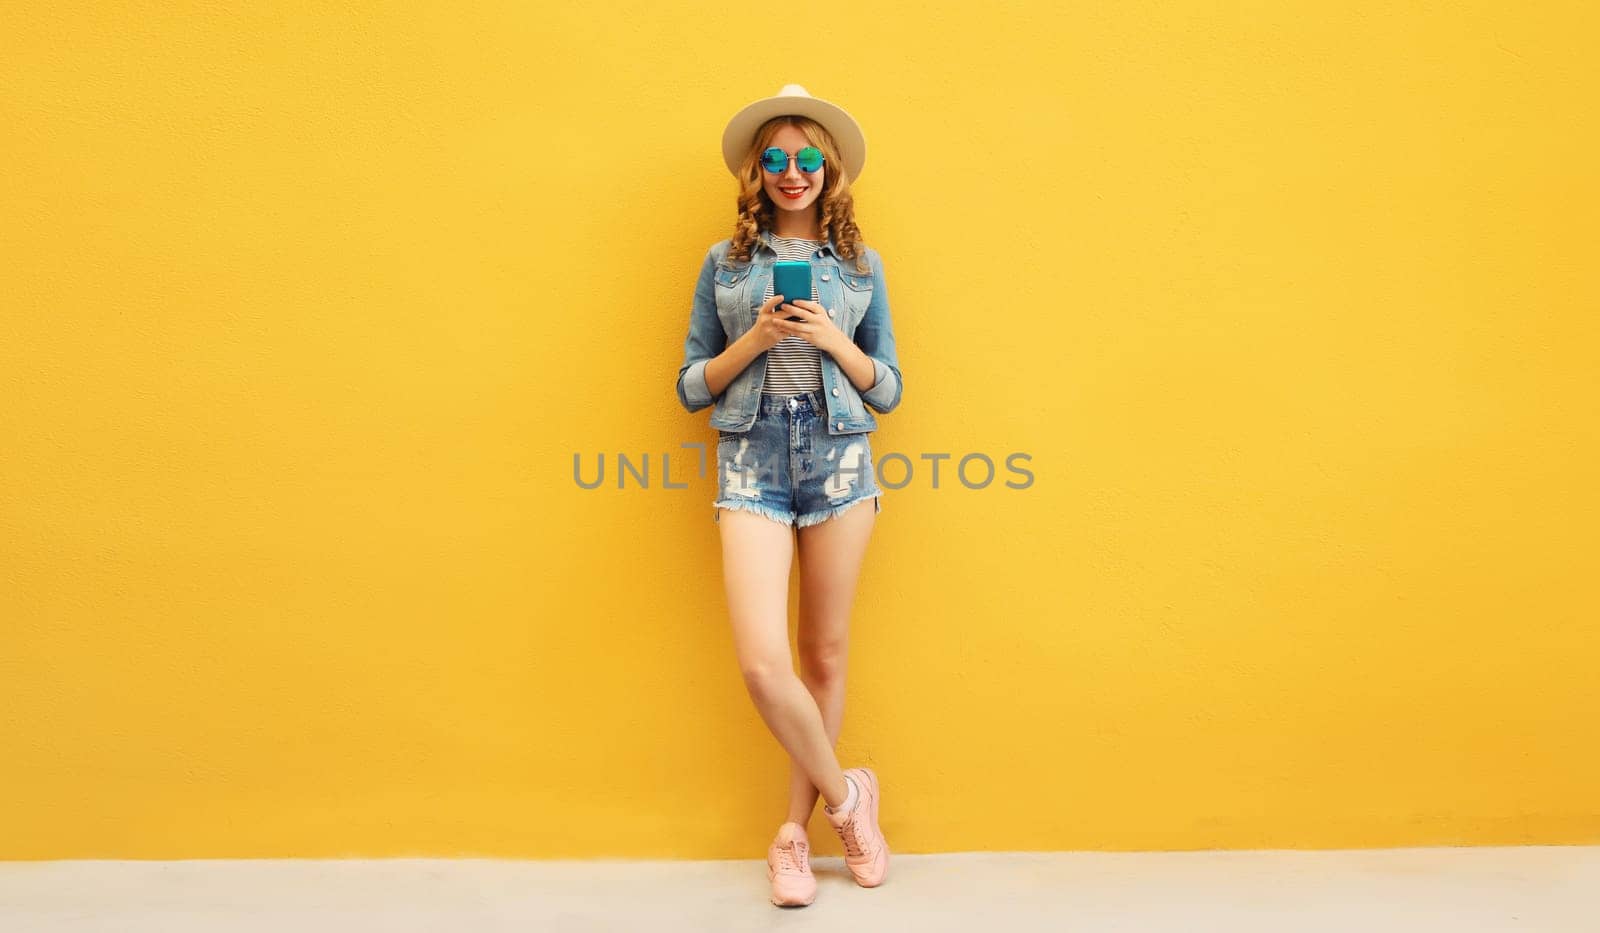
[{"x": 793, "y": 99}]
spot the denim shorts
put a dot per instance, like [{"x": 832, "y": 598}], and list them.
[{"x": 789, "y": 468}]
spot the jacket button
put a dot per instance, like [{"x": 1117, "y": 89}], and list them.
[
  {"x": 835, "y": 391},
  {"x": 830, "y": 312},
  {"x": 824, "y": 276},
  {"x": 839, "y": 425}
]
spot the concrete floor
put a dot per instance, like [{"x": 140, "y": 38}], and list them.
[{"x": 1548, "y": 889}]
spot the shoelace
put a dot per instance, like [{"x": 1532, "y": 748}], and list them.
[
  {"x": 854, "y": 837},
  {"x": 790, "y": 856}
]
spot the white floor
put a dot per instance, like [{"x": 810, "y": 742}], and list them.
[{"x": 1549, "y": 889}]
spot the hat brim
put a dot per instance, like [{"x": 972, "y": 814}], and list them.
[{"x": 846, "y": 133}]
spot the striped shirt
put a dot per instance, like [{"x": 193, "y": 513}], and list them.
[{"x": 793, "y": 365}]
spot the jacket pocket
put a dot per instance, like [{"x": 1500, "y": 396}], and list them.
[
  {"x": 729, "y": 276},
  {"x": 857, "y": 295},
  {"x": 729, "y": 284}
]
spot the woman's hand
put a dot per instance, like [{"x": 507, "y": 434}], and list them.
[
  {"x": 768, "y": 329},
  {"x": 816, "y": 327}
]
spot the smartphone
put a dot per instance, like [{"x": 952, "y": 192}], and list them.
[{"x": 791, "y": 278}]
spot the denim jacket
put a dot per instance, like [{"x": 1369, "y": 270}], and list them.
[{"x": 726, "y": 299}]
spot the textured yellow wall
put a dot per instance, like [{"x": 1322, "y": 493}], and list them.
[{"x": 305, "y": 310}]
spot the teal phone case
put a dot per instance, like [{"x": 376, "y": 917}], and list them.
[{"x": 791, "y": 278}]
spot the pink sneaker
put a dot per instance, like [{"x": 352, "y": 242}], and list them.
[
  {"x": 789, "y": 867},
  {"x": 866, "y": 852}
]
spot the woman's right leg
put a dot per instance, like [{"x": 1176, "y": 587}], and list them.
[{"x": 756, "y": 557}]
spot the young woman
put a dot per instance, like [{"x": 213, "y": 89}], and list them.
[{"x": 791, "y": 377}]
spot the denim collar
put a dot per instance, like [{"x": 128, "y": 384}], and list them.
[{"x": 765, "y": 238}]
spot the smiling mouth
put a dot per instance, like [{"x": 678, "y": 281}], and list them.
[{"x": 793, "y": 192}]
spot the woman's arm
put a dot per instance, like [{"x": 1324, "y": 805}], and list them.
[
  {"x": 721, "y": 369},
  {"x": 706, "y": 342},
  {"x": 856, "y": 365},
  {"x": 874, "y": 338},
  {"x": 710, "y": 363}
]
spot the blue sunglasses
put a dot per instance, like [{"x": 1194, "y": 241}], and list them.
[{"x": 776, "y": 161}]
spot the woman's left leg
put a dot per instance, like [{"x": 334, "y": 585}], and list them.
[{"x": 830, "y": 555}]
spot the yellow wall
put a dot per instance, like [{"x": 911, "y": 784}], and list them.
[{"x": 308, "y": 307}]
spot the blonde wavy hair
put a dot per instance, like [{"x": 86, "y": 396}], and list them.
[{"x": 756, "y": 210}]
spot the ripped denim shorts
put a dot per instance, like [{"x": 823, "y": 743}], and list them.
[{"x": 789, "y": 468}]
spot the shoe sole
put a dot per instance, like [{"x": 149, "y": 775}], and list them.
[{"x": 783, "y": 903}]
